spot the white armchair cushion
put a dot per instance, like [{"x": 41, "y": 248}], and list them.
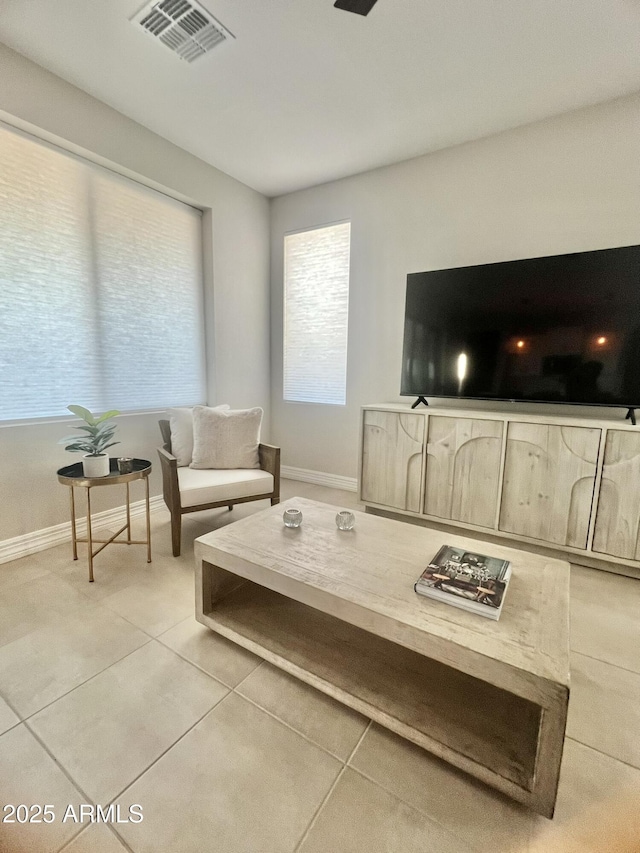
[
  {"x": 211, "y": 485},
  {"x": 226, "y": 438},
  {"x": 181, "y": 425}
]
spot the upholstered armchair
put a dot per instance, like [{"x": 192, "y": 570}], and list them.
[{"x": 187, "y": 489}]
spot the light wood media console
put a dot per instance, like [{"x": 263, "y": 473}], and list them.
[
  {"x": 564, "y": 483},
  {"x": 338, "y": 610}
]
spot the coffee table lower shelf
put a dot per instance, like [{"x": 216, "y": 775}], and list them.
[{"x": 481, "y": 729}]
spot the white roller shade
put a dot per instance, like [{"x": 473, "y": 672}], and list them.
[
  {"x": 100, "y": 288},
  {"x": 316, "y": 309}
]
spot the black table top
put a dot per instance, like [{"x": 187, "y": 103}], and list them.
[{"x": 74, "y": 475}]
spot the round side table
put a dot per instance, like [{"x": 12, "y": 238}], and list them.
[{"x": 73, "y": 476}]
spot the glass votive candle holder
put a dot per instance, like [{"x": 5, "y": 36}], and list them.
[
  {"x": 292, "y": 517},
  {"x": 125, "y": 465},
  {"x": 345, "y": 520}
]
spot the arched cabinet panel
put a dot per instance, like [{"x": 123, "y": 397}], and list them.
[
  {"x": 392, "y": 445},
  {"x": 549, "y": 478},
  {"x": 618, "y": 514},
  {"x": 463, "y": 469}
]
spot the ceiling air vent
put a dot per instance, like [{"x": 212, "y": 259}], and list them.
[{"x": 184, "y": 26}]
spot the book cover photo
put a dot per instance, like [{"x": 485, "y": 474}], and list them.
[{"x": 466, "y": 579}]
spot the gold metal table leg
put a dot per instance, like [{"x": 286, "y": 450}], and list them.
[
  {"x": 74, "y": 535},
  {"x": 128, "y": 517},
  {"x": 89, "y": 536},
  {"x": 146, "y": 483},
  {"x": 73, "y": 477}
]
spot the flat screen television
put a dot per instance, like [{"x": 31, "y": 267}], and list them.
[{"x": 561, "y": 329}]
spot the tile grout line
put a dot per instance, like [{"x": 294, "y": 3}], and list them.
[
  {"x": 113, "y": 612},
  {"x": 10, "y": 706},
  {"x": 242, "y": 681},
  {"x": 65, "y": 772},
  {"x": 511, "y": 802},
  {"x": 419, "y": 811},
  {"x": 116, "y": 796},
  {"x": 173, "y": 626},
  {"x": 86, "y": 829},
  {"x": 121, "y": 839},
  {"x": 101, "y": 602},
  {"x": 11, "y": 728},
  {"x": 149, "y": 639},
  {"x": 94, "y": 603},
  {"x": 169, "y": 748},
  {"x": 360, "y": 739},
  {"x": 401, "y": 799},
  {"x": 602, "y": 752},
  {"x": 186, "y": 660},
  {"x": 325, "y": 799},
  {"x": 197, "y": 666},
  {"x": 316, "y": 814},
  {"x": 291, "y": 728},
  {"x": 14, "y": 710},
  {"x": 9, "y": 587},
  {"x": 608, "y": 663},
  {"x": 86, "y": 681},
  {"x": 73, "y": 839},
  {"x": 126, "y": 619}
]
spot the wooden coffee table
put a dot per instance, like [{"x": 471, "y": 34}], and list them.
[{"x": 338, "y": 610}]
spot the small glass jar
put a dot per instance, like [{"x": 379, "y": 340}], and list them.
[
  {"x": 292, "y": 517},
  {"x": 125, "y": 465},
  {"x": 345, "y": 520}
]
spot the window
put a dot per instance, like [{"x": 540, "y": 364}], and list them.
[
  {"x": 316, "y": 308},
  {"x": 100, "y": 288}
]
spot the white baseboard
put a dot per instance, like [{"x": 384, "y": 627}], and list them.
[
  {"x": 319, "y": 478},
  {"x": 39, "y": 540}
]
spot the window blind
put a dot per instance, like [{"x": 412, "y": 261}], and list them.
[
  {"x": 100, "y": 288},
  {"x": 316, "y": 308}
]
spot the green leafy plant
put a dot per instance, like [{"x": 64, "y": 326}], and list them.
[{"x": 99, "y": 432}]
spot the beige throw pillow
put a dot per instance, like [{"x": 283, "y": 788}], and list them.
[
  {"x": 226, "y": 438},
  {"x": 181, "y": 426}
]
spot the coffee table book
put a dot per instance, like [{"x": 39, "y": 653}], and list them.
[
  {"x": 337, "y": 609},
  {"x": 465, "y": 579}
]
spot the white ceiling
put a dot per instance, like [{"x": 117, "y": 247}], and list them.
[{"x": 307, "y": 93}]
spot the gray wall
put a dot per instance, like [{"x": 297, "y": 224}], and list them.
[
  {"x": 236, "y": 263},
  {"x": 567, "y": 184}
]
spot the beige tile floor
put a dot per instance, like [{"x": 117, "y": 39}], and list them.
[{"x": 113, "y": 693}]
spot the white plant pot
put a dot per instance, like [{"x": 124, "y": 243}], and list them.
[{"x": 95, "y": 466}]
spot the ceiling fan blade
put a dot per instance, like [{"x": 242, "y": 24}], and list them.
[{"x": 360, "y": 7}]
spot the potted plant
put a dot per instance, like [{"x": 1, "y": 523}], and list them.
[{"x": 99, "y": 432}]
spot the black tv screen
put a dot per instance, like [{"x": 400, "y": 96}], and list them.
[{"x": 561, "y": 329}]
